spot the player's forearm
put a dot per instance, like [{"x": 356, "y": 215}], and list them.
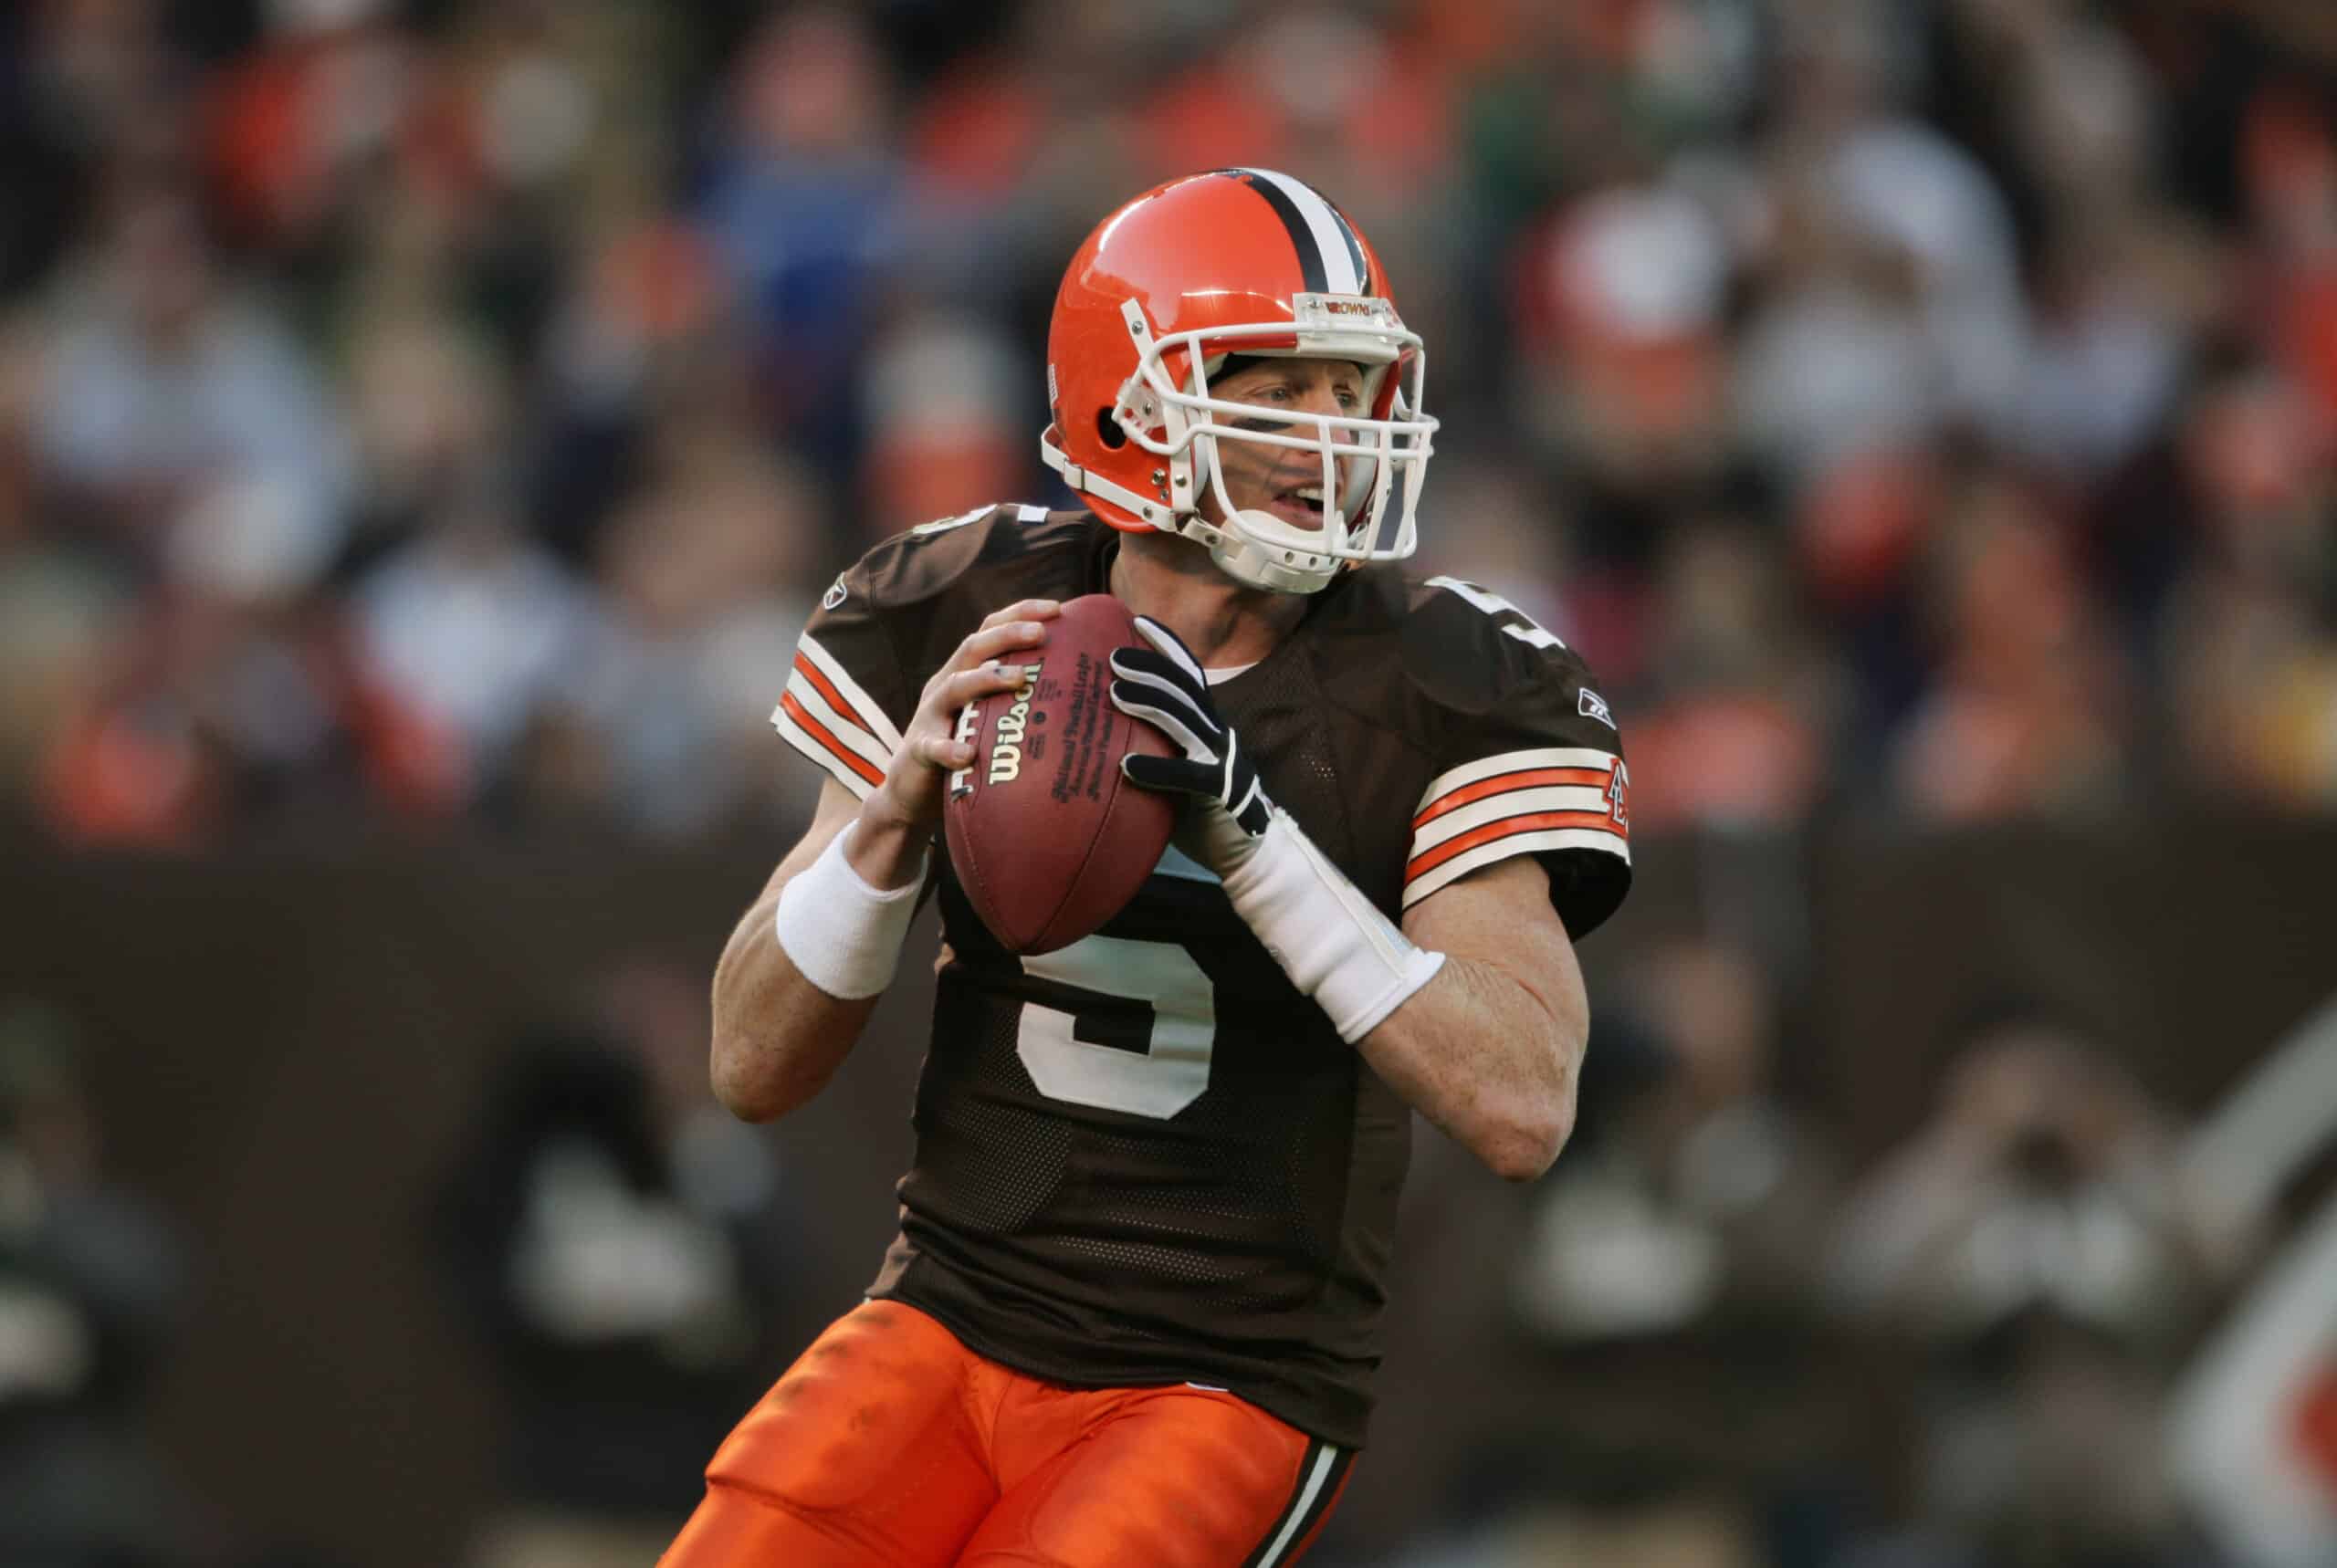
[
  {"x": 1484, "y": 1055},
  {"x": 1487, "y": 1060},
  {"x": 777, "y": 1038},
  {"x": 886, "y": 851}
]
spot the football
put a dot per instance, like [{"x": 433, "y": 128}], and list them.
[{"x": 1047, "y": 838}]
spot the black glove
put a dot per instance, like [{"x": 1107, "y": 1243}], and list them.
[{"x": 1163, "y": 684}]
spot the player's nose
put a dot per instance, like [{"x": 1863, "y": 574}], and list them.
[{"x": 1319, "y": 395}]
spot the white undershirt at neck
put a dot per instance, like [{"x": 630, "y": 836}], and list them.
[{"x": 1219, "y": 677}]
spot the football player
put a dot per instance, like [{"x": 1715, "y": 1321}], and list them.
[{"x": 1133, "y": 1311}]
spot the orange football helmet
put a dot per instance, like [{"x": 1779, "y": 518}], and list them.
[{"x": 1237, "y": 261}]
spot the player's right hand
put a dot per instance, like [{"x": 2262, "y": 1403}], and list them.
[{"x": 930, "y": 751}]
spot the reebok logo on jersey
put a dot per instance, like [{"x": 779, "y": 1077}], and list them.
[
  {"x": 833, "y": 596},
  {"x": 1593, "y": 706}
]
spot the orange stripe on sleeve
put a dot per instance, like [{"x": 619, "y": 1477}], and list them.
[
  {"x": 826, "y": 737},
  {"x": 1526, "y": 822},
  {"x": 1503, "y": 783},
  {"x": 835, "y": 698}
]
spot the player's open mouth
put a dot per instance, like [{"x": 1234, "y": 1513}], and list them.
[{"x": 1301, "y": 504}]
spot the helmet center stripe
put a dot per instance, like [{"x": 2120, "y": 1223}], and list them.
[{"x": 1326, "y": 262}]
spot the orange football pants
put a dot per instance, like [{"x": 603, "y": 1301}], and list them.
[{"x": 890, "y": 1445}]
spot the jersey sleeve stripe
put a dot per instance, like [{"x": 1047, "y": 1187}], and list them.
[
  {"x": 1515, "y": 843},
  {"x": 818, "y": 742},
  {"x": 1514, "y": 762},
  {"x": 1523, "y": 822},
  {"x": 1477, "y": 814},
  {"x": 827, "y": 690},
  {"x": 1503, "y": 783},
  {"x": 801, "y": 739},
  {"x": 818, "y": 700},
  {"x": 851, "y": 699}
]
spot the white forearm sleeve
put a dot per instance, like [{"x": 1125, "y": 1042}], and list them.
[
  {"x": 844, "y": 936},
  {"x": 1327, "y": 937}
]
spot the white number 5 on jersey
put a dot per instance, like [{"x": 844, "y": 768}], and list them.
[
  {"x": 1524, "y": 628},
  {"x": 1169, "y": 1073}
]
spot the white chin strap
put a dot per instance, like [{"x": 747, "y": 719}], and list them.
[{"x": 1264, "y": 551}]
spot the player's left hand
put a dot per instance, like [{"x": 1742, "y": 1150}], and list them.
[{"x": 1163, "y": 684}]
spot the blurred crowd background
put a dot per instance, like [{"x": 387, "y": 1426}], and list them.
[
  {"x": 431, "y": 421},
  {"x": 1924, "y": 407}
]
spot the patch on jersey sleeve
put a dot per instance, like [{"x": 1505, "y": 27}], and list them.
[
  {"x": 826, "y": 714},
  {"x": 1593, "y": 706},
  {"x": 1531, "y": 801}
]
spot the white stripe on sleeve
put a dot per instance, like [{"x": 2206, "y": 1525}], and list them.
[
  {"x": 842, "y": 726},
  {"x": 1513, "y": 762},
  {"x": 865, "y": 708},
  {"x": 1515, "y": 802},
  {"x": 1510, "y": 845},
  {"x": 796, "y": 735}
]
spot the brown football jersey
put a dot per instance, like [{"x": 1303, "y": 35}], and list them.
[{"x": 1146, "y": 1159}]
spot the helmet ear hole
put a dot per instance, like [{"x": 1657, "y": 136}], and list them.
[{"x": 1108, "y": 430}]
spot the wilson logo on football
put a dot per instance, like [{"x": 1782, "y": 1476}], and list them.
[
  {"x": 970, "y": 718},
  {"x": 1006, "y": 750}
]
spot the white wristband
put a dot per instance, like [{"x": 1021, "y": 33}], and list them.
[
  {"x": 844, "y": 936},
  {"x": 1327, "y": 937}
]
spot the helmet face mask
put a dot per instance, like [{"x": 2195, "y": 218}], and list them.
[{"x": 1151, "y": 454}]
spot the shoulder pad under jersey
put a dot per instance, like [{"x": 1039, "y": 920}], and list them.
[
  {"x": 922, "y": 563},
  {"x": 887, "y": 623}
]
